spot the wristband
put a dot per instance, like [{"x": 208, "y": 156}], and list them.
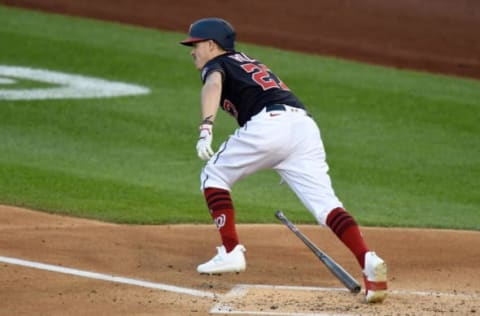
[{"x": 207, "y": 121}]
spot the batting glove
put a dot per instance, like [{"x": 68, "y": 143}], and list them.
[{"x": 204, "y": 144}]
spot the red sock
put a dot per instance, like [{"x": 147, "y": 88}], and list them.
[
  {"x": 347, "y": 230},
  {"x": 223, "y": 214}
]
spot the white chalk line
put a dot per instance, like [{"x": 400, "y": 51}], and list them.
[
  {"x": 238, "y": 291},
  {"x": 241, "y": 290},
  {"x": 330, "y": 289},
  {"x": 105, "y": 277}
]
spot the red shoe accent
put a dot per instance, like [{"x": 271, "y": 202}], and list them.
[{"x": 374, "y": 286}]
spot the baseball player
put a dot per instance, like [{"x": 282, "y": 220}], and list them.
[{"x": 275, "y": 132}]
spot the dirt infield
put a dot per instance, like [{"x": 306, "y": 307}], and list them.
[{"x": 432, "y": 272}]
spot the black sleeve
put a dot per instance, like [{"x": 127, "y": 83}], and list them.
[{"x": 212, "y": 67}]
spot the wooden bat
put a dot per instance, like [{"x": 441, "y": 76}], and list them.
[{"x": 333, "y": 266}]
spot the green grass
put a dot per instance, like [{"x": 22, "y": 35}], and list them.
[{"x": 403, "y": 147}]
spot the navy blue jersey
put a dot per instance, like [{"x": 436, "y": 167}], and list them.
[{"x": 248, "y": 86}]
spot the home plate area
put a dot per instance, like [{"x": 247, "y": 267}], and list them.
[{"x": 245, "y": 299}]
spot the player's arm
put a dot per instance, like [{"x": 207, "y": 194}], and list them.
[
  {"x": 210, "y": 102},
  {"x": 211, "y": 94}
]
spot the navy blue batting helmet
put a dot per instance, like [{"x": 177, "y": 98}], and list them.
[{"x": 215, "y": 29}]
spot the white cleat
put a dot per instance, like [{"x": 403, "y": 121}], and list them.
[
  {"x": 375, "y": 277},
  {"x": 224, "y": 262}
]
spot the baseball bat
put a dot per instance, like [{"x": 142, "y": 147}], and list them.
[{"x": 333, "y": 266}]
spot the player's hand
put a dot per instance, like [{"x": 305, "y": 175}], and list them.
[{"x": 204, "y": 144}]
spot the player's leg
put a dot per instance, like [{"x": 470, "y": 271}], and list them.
[
  {"x": 229, "y": 257},
  {"x": 313, "y": 188},
  {"x": 246, "y": 151},
  {"x": 307, "y": 175}
]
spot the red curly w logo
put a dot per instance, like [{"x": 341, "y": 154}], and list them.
[{"x": 220, "y": 221}]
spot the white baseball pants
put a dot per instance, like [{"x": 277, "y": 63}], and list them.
[{"x": 288, "y": 142}]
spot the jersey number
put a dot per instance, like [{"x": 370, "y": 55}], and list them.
[{"x": 262, "y": 76}]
